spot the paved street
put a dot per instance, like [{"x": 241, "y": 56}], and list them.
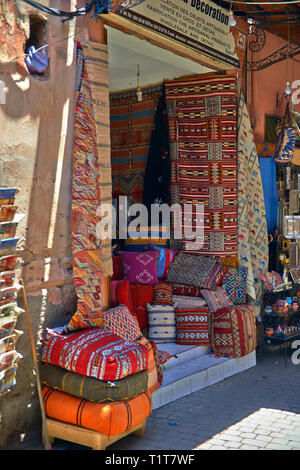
[{"x": 256, "y": 409}]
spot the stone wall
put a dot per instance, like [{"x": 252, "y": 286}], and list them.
[{"x": 36, "y": 125}]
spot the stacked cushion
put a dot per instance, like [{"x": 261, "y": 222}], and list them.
[
  {"x": 182, "y": 289},
  {"x": 184, "y": 301},
  {"x": 120, "y": 322},
  {"x": 235, "y": 284},
  {"x": 109, "y": 419},
  {"x": 233, "y": 332},
  {"x": 196, "y": 270},
  {"x": 94, "y": 353},
  {"x": 93, "y": 389},
  {"x": 192, "y": 326},
  {"x": 141, "y": 294},
  {"x": 162, "y": 327},
  {"x": 140, "y": 268},
  {"x": 216, "y": 299},
  {"x": 162, "y": 294},
  {"x": 120, "y": 294}
]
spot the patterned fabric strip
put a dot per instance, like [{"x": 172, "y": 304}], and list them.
[{"x": 252, "y": 225}]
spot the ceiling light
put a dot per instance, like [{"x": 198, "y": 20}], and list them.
[{"x": 232, "y": 21}]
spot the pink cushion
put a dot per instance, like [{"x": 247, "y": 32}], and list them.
[{"x": 140, "y": 267}]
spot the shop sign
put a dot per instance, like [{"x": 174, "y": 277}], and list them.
[{"x": 199, "y": 25}]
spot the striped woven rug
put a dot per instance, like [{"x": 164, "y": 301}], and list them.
[
  {"x": 202, "y": 115},
  {"x": 131, "y": 131}
]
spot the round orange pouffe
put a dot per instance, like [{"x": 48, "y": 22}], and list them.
[{"x": 109, "y": 419}]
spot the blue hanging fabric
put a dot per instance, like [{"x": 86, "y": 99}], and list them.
[
  {"x": 268, "y": 177},
  {"x": 36, "y": 62}
]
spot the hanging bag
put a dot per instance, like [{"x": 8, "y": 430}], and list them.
[{"x": 286, "y": 140}]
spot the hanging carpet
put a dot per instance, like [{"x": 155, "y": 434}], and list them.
[
  {"x": 202, "y": 115},
  {"x": 131, "y": 129},
  {"x": 252, "y": 225},
  {"x": 87, "y": 191}
]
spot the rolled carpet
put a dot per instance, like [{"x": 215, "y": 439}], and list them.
[
  {"x": 93, "y": 389},
  {"x": 109, "y": 419}
]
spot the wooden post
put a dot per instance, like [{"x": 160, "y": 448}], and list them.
[{"x": 36, "y": 367}]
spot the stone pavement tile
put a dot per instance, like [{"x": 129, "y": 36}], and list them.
[
  {"x": 273, "y": 446},
  {"x": 248, "y": 447},
  {"x": 263, "y": 439},
  {"x": 233, "y": 445},
  {"x": 228, "y": 437},
  {"x": 294, "y": 445},
  {"x": 253, "y": 442}
]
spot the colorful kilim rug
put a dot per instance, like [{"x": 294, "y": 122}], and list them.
[
  {"x": 86, "y": 197},
  {"x": 202, "y": 115},
  {"x": 252, "y": 225},
  {"x": 131, "y": 130},
  {"x": 96, "y": 62}
]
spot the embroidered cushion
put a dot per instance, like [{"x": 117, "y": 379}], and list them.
[
  {"x": 162, "y": 328},
  {"x": 192, "y": 326},
  {"x": 155, "y": 235},
  {"x": 109, "y": 419},
  {"x": 140, "y": 267},
  {"x": 120, "y": 293},
  {"x": 163, "y": 294},
  {"x": 141, "y": 294},
  {"x": 235, "y": 284},
  {"x": 196, "y": 270},
  {"x": 216, "y": 299},
  {"x": 93, "y": 389},
  {"x": 119, "y": 321},
  {"x": 117, "y": 268},
  {"x": 187, "y": 301},
  {"x": 94, "y": 353},
  {"x": 233, "y": 331}
]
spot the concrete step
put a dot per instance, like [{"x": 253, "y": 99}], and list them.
[
  {"x": 182, "y": 353},
  {"x": 194, "y": 374}
]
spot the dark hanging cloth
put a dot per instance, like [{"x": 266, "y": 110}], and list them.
[{"x": 157, "y": 175}]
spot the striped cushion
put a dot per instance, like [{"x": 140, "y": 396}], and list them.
[
  {"x": 192, "y": 326},
  {"x": 95, "y": 353},
  {"x": 109, "y": 419},
  {"x": 162, "y": 328},
  {"x": 163, "y": 294}
]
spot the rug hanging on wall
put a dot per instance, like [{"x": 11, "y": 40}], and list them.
[
  {"x": 96, "y": 62},
  {"x": 86, "y": 197},
  {"x": 131, "y": 130},
  {"x": 252, "y": 224},
  {"x": 202, "y": 115}
]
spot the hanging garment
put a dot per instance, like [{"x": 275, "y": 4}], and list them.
[
  {"x": 252, "y": 225},
  {"x": 202, "y": 129},
  {"x": 268, "y": 177},
  {"x": 157, "y": 175}
]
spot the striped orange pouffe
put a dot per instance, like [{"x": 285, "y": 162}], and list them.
[{"x": 109, "y": 419}]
